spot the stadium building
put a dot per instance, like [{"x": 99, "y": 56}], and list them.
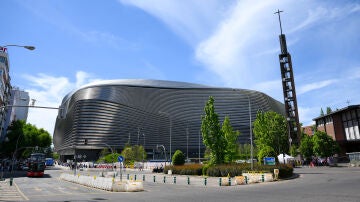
[{"x": 152, "y": 113}]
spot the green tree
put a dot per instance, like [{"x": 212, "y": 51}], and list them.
[
  {"x": 328, "y": 110},
  {"x": 306, "y": 146},
  {"x": 178, "y": 158},
  {"x": 111, "y": 158},
  {"x": 294, "y": 150},
  {"x": 270, "y": 130},
  {"x": 212, "y": 134},
  {"x": 244, "y": 151},
  {"x": 26, "y": 137},
  {"x": 133, "y": 153},
  {"x": 231, "y": 136},
  {"x": 324, "y": 145},
  {"x": 266, "y": 151},
  {"x": 128, "y": 155}
]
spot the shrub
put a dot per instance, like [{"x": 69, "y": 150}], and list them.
[
  {"x": 191, "y": 169},
  {"x": 225, "y": 169},
  {"x": 178, "y": 158},
  {"x": 232, "y": 170}
]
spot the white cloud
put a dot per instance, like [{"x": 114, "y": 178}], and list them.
[
  {"x": 314, "y": 86},
  {"x": 48, "y": 91},
  {"x": 192, "y": 21}
]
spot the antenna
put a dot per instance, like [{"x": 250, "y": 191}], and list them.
[{"x": 278, "y": 12}]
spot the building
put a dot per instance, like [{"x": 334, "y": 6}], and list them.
[
  {"x": 109, "y": 114},
  {"x": 308, "y": 130},
  {"x": 5, "y": 88},
  {"x": 18, "y": 107},
  {"x": 343, "y": 126}
]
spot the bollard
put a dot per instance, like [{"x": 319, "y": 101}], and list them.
[
  {"x": 154, "y": 178},
  {"x": 135, "y": 177},
  {"x": 174, "y": 180},
  {"x": 246, "y": 180},
  {"x": 219, "y": 181},
  {"x": 128, "y": 176},
  {"x": 262, "y": 178},
  {"x": 188, "y": 180},
  {"x": 144, "y": 178},
  {"x": 11, "y": 181},
  {"x": 205, "y": 181},
  {"x": 229, "y": 181},
  {"x": 164, "y": 179}
]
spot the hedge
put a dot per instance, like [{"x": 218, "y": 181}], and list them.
[{"x": 232, "y": 170}]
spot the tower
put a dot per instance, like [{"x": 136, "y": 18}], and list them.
[{"x": 288, "y": 84}]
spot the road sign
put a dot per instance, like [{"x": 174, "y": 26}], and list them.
[
  {"x": 269, "y": 161},
  {"x": 120, "y": 159}
]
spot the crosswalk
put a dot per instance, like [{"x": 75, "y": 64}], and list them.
[{"x": 9, "y": 193}]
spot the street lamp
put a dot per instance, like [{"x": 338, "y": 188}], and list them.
[
  {"x": 157, "y": 147},
  {"x": 170, "y": 120},
  {"x": 27, "y": 47},
  {"x": 3, "y": 49},
  {"x": 251, "y": 138},
  {"x": 112, "y": 152},
  {"x": 144, "y": 147},
  {"x": 187, "y": 144}
]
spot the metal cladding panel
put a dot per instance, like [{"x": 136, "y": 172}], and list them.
[{"x": 142, "y": 114}]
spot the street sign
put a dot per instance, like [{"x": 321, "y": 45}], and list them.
[
  {"x": 269, "y": 161},
  {"x": 120, "y": 159}
]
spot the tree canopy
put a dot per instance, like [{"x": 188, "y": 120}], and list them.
[
  {"x": 270, "y": 131},
  {"x": 211, "y": 133},
  {"x": 324, "y": 145},
  {"x": 306, "y": 146},
  {"x": 221, "y": 142},
  {"x": 27, "y": 137},
  {"x": 133, "y": 153},
  {"x": 231, "y": 140}
]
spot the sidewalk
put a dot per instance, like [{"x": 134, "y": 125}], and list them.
[{"x": 10, "y": 193}]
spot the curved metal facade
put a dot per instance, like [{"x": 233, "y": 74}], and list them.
[{"x": 145, "y": 112}]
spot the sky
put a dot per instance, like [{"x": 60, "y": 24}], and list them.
[{"x": 221, "y": 43}]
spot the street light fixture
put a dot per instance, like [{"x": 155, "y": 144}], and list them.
[
  {"x": 251, "y": 135},
  {"x": 170, "y": 120},
  {"x": 27, "y": 47},
  {"x": 3, "y": 49}
]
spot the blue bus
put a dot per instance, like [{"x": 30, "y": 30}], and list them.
[{"x": 49, "y": 161}]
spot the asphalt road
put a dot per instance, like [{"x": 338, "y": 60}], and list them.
[{"x": 313, "y": 184}]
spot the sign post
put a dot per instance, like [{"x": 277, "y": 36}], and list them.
[{"x": 120, "y": 159}]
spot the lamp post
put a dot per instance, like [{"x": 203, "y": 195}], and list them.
[
  {"x": 251, "y": 138},
  {"x": 112, "y": 152},
  {"x": 3, "y": 48},
  {"x": 199, "y": 146},
  {"x": 187, "y": 144},
  {"x": 157, "y": 146},
  {"x": 170, "y": 120},
  {"x": 27, "y": 47},
  {"x": 144, "y": 148}
]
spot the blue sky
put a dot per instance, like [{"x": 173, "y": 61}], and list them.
[{"x": 224, "y": 43}]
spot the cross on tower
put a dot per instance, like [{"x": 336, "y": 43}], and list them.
[{"x": 278, "y": 12}]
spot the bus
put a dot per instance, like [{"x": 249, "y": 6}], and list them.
[
  {"x": 49, "y": 162},
  {"x": 36, "y": 165}
]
